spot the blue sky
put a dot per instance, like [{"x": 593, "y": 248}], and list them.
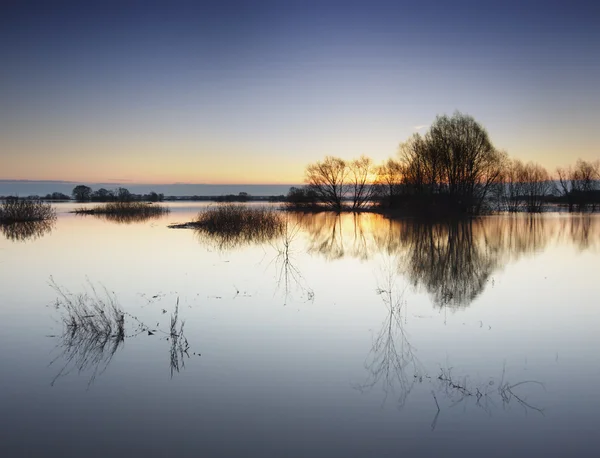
[{"x": 250, "y": 92}]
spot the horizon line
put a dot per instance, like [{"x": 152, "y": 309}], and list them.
[{"x": 8, "y": 180}]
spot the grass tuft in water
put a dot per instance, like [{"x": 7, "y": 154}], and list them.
[
  {"x": 231, "y": 225},
  {"x": 94, "y": 329},
  {"x": 125, "y": 209},
  {"x": 16, "y": 210}
]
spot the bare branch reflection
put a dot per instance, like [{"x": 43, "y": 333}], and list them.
[
  {"x": 392, "y": 362},
  {"x": 289, "y": 278},
  {"x": 94, "y": 328},
  {"x": 29, "y": 230},
  {"x": 179, "y": 343},
  {"x": 93, "y": 331},
  {"x": 127, "y": 218},
  {"x": 452, "y": 260}
]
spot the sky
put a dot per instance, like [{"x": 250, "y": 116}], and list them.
[{"x": 253, "y": 91}]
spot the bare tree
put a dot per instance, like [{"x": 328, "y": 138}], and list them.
[
  {"x": 328, "y": 180},
  {"x": 454, "y": 164},
  {"x": 536, "y": 185},
  {"x": 420, "y": 168},
  {"x": 388, "y": 182},
  {"x": 577, "y": 184},
  {"x": 512, "y": 185},
  {"x": 360, "y": 177}
]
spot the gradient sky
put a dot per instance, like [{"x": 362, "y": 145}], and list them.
[{"x": 252, "y": 91}]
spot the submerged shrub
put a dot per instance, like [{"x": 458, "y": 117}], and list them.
[
  {"x": 229, "y": 225},
  {"x": 136, "y": 210},
  {"x": 16, "y": 210}
]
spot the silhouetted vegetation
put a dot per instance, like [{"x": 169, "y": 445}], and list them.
[
  {"x": 56, "y": 196},
  {"x": 579, "y": 187},
  {"x": 524, "y": 187},
  {"x": 448, "y": 171},
  {"x": 452, "y": 170},
  {"x": 241, "y": 197},
  {"x": 16, "y": 210},
  {"x": 327, "y": 180},
  {"x": 303, "y": 198},
  {"x": 229, "y": 225},
  {"x": 94, "y": 328},
  {"x": 82, "y": 193},
  {"x": 125, "y": 212}
]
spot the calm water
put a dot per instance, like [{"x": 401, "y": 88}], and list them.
[{"x": 340, "y": 339}]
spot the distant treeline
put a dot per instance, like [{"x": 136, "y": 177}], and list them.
[
  {"x": 451, "y": 170},
  {"x": 86, "y": 194}
]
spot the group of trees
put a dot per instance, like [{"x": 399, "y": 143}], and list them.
[
  {"x": 82, "y": 193},
  {"x": 529, "y": 187},
  {"x": 452, "y": 169}
]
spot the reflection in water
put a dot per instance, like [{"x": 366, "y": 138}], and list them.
[
  {"x": 447, "y": 261},
  {"x": 94, "y": 328},
  {"x": 391, "y": 362},
  {"x": 93, "y": 331},
  {"x": 582, "y": 230},
  {"x": 453, "y": 261},
  {"x": 230, "y": 240},
  {"x": 29, "y": 230},
  {"x": 125, "y": 218},
  {"x": 460, "y": 390},
  {"x": 289, "y": 277},
  {"x": 179, "y": 344},
  {"x": 393, "y": 365}
]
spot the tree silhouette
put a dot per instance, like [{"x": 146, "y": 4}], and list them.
[
  {"x": 82, "y": 193},
  {"x": 327, "y": 179}
]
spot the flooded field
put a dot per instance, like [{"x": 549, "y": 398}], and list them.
[{"x": 349, "y": 335}]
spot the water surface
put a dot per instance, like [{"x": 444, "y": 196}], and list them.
[{"x": 341, "y": 338}]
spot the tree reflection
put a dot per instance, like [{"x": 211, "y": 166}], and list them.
[
  {"x": 452, "y": 260},
  {"x": 289, "y": 278},
  {"x": 583, "y": 230},
  {"x": 447, "y": 261},
  {"x": 29, "y": 230},
  {"x": 391, "y": 362}
]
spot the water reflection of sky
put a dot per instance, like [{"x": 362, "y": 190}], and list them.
[{"x": 278, "y": 374}]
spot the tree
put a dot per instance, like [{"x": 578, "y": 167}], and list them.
[
  {"x": 57, "y": 196},
  {"x": 82, "y": 193},
  {"x": 301, "y": 197},
  {"x": 327, "y": 180},
  {"x": 360, "y": 176},
  {"x": 388, "y": 181},
  {"x": 154, "y": 197},
  {"x": 577, "y": 184},
  {"x": 123, "y": 195},
  {"x": 103, "y": 195},
  {"x": 535, "y": 185},
  {"x": 454, "y": 163},
  {"x": 510, "y": 188}
]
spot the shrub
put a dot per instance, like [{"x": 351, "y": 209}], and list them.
[
  {"x": 136, "y": 210},
  {"x": 229, "y": 225},
  {"x": 16, "y": 210}
]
